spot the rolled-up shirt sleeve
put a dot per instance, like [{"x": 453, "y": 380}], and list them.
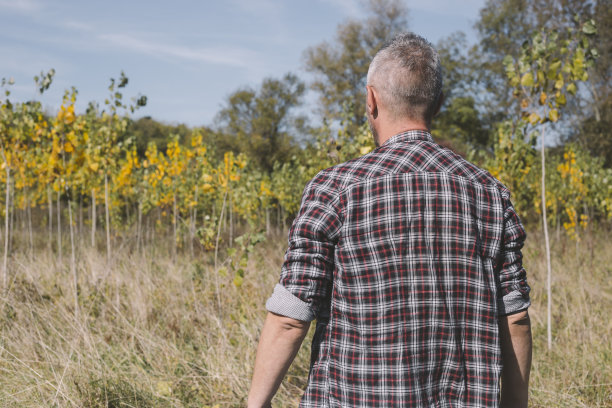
[
  {"x": 513, "y": 294},
  {"x": 306, "y": 275}
]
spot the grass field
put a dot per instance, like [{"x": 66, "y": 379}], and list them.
[{"x": 153, "y": 331}]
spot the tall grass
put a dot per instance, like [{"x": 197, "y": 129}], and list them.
[{"x": 151, "y": 331}]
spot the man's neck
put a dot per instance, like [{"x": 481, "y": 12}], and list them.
[{"x": 385, "y": 132}]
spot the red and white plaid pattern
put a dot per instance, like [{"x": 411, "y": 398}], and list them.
[{"x": 406, "y": 257}]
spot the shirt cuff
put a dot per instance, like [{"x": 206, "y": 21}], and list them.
[
  {"x": 285, "y": 303},
  {"x": 513, "y": 302}
]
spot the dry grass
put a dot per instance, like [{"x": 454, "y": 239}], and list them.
[
  {"x": 577, "y": 372},
  {"x": 155, "y": 332}
]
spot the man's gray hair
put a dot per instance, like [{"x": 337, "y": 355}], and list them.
[{"x": 407, "y": 74}]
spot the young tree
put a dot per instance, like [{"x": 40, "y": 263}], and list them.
[
  {"x": 6, "y": 123},
  {"x": 108, "y": 142},
  {"x": 505, "y": 25},
  {"x": 67, "y": 154},
  {"x": 543, "y": 78}
]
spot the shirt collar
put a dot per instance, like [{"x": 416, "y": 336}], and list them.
[{"x": 409, "y": 136}]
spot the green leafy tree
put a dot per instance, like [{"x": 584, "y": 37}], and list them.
[
  {"x": 593, "y": 130},
  {"x": 504, "y": 25},
  {"x": 340, "y": 68},
  {"x": 146, "y": 130},
  {"x": 513, "y": 163},
  {"x": 461, "y": 123},
  {"x": 262, "y": 122}
]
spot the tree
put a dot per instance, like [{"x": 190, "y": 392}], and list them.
[
  {"x": 593, "y": 132},
  {"x": 261, "y": 122},
  {"x": 340, "y": 68},
  {"x": 106, "y": 143},
  {"x": 8, "y": 120},
  {"x": 146, "y": 130},
  {"x": 543, "y": 78},
  {"x": 505, "y": 25},
  {"x": 462, "y": 123}
]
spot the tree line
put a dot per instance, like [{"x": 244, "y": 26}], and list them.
[{"x": 206, "y": 186}]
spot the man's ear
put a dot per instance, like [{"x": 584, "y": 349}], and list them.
[{"x": 371, "y": 101}]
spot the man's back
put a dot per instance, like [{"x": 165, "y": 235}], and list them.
[
  {"x": 407, "y": 303},
  {"x": 409, "y": 258}
]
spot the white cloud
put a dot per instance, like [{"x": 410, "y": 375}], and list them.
[
  {"x": 236, "y": 57},
  {"x": 23, "y": 6}
]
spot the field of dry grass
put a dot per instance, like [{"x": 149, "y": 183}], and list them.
[{"x": 152, "y": 331}]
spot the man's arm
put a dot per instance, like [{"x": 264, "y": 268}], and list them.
[
  {"x": 513, "y": 301},
  {"x": 302, "y": 293},
  {"x": 515, "y": 336},
  {"x": 279, "y": 343}
]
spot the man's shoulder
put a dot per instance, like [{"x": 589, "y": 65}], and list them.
[
  {"x": 476, "y": 173},
  {"x": 342, "y": 175},
  {"x": 423, "y": 156}
]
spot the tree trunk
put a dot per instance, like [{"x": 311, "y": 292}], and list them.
[
  {"x": 50, "y": 205},
  {"x": 28, "y": 215},
  {"x": 547, "y": 243},
  {"x": 12, "y": 220},
  {"x": 73, "y": 260},
  {"x": 148, "y": 229},
  {"x": 80, "y": 226},
  {"x": 558, "y": 227},
  {"x": 216, "y": 253},
  {"x": 174, "y": 229},
  {"x": 93, "y": 217},
  {"x": 231, "y": 222},
  {"x": 219, "y": 230},
  {"x": 59, "y": 227},
  {"x": 589, "y": 234},
  {"x": 30, "y": 228},
  {"x": 223, "y": 215},
  {"x": 577, "y": 244},
  {"x": 6, "y": 229},
  {"x": 194, "y": 219},
  {"x": 107, "y": 217},
  {"x": 191, "y": 230},
  {"x": 139, "y": 228}
]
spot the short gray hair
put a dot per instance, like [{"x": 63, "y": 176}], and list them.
[{"x": 408, "y": 76}]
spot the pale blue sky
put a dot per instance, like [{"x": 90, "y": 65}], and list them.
[{"x": 186, "y": 56}]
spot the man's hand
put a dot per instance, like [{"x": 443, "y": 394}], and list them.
[
  {"x": 279, "y": 342},
  {"x": 515, "y": 335}
]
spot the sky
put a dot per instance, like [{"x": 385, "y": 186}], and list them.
[{"x": 186, "y": 56}]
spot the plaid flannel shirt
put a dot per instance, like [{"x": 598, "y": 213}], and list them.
[{"x": 406, "y": 257}]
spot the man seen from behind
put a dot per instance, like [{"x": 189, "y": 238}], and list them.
[{"x": 409, "y": 259}]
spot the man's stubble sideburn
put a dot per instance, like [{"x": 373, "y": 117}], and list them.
[{"x": 372, "y": 129}]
